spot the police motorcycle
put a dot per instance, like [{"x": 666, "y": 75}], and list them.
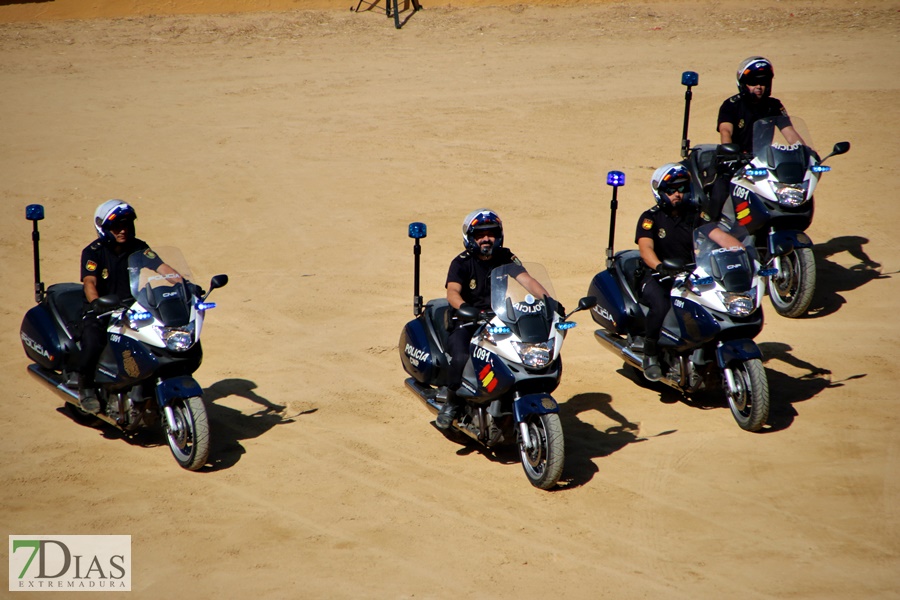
[
  {"x": 772, "y": 192},
  {"x": 143, "y": 376},
  {"x": 706, "y": 341},
  {"x": 513, "y": 367}
]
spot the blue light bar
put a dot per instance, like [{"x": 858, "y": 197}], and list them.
[
  {"x": 757, "y": 172},
  {"x": 566, "y": 325},
  {"x": 205, "y": 305},
  {"x": 34, "y": 212},
  {"x": 498, "y": 330},
  {"x": 820, "y": 169},
  {"x": 689, "y": 78},
  {"x": 140, "y": 315},
  {"x": 704, "y": 281},
  {"x": 768, "y": 272},
  {"x": 615, "y": 178},
  {"x": 417, "y": 230}
]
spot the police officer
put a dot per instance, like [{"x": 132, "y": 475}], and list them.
[
  {"x": 664, "y": 232},
  {"x": 468, "y": 283},
  {"x": 104, "y": 271},
  {"x": 752, "y": 103}
]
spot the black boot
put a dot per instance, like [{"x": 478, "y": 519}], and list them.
[
  {"x": 650, "y": 364},
  {"x": 449, "y": 411},
  {"x": 87, "y": 396}
]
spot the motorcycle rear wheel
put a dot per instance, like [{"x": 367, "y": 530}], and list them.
[
  {"x": 749, "y": 399},
  {"x": 543, "y": 462},
  {"x": 791, "y": 291},
  {"x": 190, "y": 440}
]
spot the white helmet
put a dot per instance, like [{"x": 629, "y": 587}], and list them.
[
  {"x": 480, "y": 220},
  {"x": 112, "y": 212},
  {"x": 667, "y": 178},
  {"x": 755, "y": 70}
]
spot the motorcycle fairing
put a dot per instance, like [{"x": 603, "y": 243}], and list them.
[
  {"x": 129, "y": 360},
  {"x": 489, "y": 378},
  {"x": 687, "y": 324},
  {"x": 40, "y": 338}
]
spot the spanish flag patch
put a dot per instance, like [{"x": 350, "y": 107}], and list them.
[{"x": 647, "y": 224}]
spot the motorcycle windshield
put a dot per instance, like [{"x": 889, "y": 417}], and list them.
[
  {"x": 783, "y": 144},
  {"x": 158, "y": 284},
  {"x": 730, "y": 260},
  {"x": 522, "y": 297}
]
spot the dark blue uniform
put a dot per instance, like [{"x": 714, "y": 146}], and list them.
[
  {"x": 742, "y": 113},
  {"x": 673, "y": 238},
  {"x": 474, "y": 275}
]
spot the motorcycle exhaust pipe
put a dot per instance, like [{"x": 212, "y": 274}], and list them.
[{"x": 618, "y": 347}]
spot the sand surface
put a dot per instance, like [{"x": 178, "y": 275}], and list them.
[{"x": 290, "y": 146}]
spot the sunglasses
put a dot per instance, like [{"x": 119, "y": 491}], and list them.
[
  {"x": 480, "y": 233},
  {"x": 683, "y": 188}
]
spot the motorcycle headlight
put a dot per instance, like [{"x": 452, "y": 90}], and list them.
[
  {"x": 739, "y": 305},
  {"x": 177, "y": 339},
  {"x": 791, "y": 194},
  {"x": 535, "y": 356}
]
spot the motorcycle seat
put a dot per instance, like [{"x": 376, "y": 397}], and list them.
[
  {"x": 629, "y": 267},
  {"x": 66, "y": 301}
]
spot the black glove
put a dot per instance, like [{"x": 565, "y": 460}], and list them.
[
  {"x": 196, "y": 290},
  {"x": 95, "y": 306},
  {"x": 665, "y": 271}
]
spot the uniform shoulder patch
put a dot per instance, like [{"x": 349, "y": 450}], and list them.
[
  {"x": 90, "y": 266},
  {"x": 647, "y": 224}
]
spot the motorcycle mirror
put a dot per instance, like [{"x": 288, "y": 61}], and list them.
[
  {"x": 417, "y": 230},
  {"x": 689, "y": 78},
  {"x": 587, "y": 302},
  {"x": 839, "y": 148},
  {"x": 108, "y": 303},
  {"x": 218, "y": 281},
  {"x": 34, "y": 212}
]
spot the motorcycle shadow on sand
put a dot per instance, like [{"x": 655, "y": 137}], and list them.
[
  {"x": 833, "y": 278},
  {"x": 784, "y": 390},
  {"x": 228, "y": 425},
  {"x": 586, "y": 442}
]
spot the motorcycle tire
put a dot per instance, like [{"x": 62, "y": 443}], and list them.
[
  {"x": 190, "y": 440},
  {"x": 749, "y": 399},
  {"x": 792, "y": 290},
  {"x": 543, "y": 463}
]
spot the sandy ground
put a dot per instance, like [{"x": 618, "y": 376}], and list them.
[{"x": 291, "y": 148}]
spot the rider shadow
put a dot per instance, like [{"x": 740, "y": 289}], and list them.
[
  {"x": 832, "y": 278},
  {"x": 584, "y": 442},
  {"x": 229, "y": 426},
  {"x": 785, "y": 391}
]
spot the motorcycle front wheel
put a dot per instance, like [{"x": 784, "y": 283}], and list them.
[
  {"x": 189, "y": 438},
  {"x": 791, "y": 290},
  {"x": 543, "y": 462},
  {"x": 748, "y": 396}
]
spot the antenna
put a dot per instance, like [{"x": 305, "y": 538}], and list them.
[
  {"x": 689, "y": 79},
  {"x": 417, "y": 231},
  {"x": 616, "y": 179}
]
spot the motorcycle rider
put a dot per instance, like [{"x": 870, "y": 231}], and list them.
[
  {"x": 468, "y": 283},
  {"x": 665, "y": 231},
  {"x": 740, "y": 112},
  {"x": 104, "y": 271},
  {"x": 752, "y": 103}
]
